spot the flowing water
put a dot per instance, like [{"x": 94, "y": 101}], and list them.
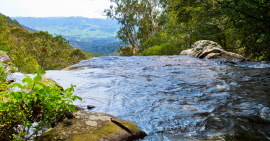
[{"x": 177, "y": 97}]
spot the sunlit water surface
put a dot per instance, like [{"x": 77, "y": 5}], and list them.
[{"x": 177, "y": 97}]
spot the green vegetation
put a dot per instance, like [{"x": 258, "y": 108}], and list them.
[
  {"x": 35, "y": 107},
  {"x": 159, "y": 27},
  {"x": 28, "y": 50},
  {"x": 89, "y": 34},
  {"x": 28, "y": 109}
]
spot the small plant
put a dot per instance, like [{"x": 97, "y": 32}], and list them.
[{"x": 35, "y": 107}]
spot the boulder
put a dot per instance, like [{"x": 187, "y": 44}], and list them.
[
  {"x": 91, "y": 126},
  {"x": 210, "y": 50},
  {"x": 4, "y": 57}
]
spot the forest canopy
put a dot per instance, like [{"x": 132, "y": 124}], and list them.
[
  {"x": 169, "y": 26},
  {"x": 28, "y": 50}
]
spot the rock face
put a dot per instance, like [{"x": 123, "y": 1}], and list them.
[
  {"x": 4, "y": 57},
  {"x": 210, "y": 50},
  {"x": 91, "y": 126}
]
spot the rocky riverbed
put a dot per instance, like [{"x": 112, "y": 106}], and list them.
[{"x": 177, "y": 97}]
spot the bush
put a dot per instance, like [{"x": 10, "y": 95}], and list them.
[
  {"x": 163, "y": 49},
  {"x": 36, "y": 106},
  {"x": 155, "y": 50},
  {"x": 125, "y": 51}
]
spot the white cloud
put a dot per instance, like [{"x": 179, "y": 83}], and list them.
[{"x": 54, "y": 8}]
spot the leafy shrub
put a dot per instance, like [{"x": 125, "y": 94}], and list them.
[
  {"x": 163, "y": 49},
  {"x": 125, "y": 51},
  {"x": 36, "y": 106},
  {"x": 155, "y": 50}
]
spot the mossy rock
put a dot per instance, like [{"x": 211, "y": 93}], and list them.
[{"x": 91, "y": 126}]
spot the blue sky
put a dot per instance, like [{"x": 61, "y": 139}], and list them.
[{"x": 54, "y": 8}]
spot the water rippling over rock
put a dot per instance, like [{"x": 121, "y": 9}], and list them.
[{"x": 177, "y": 97}]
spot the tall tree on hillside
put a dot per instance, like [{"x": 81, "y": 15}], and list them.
[
  {"x": 124, "y": 12},
  {"x": 137, "y": 19}
]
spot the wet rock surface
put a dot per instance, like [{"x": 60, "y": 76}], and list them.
[
  {"x": 91, "y": 126},
  {"x": 175, "y": 98}
]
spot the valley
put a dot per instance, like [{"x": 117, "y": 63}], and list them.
[{"x": 94, "y": 35}]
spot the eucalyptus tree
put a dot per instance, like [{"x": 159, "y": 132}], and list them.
[{"x": 138, "y": 20}]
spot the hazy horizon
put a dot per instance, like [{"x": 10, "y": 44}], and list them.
[
  {"x": 55, "y": 17},
  {"x": 54, "y": 8}
]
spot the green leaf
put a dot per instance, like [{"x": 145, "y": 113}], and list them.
[
  {"x": 36, "y": 88},
  {"x": 77, "y": 97},
  {"x": 40, "y": 71},
  {"x": 27, "y": 79},
  {"x": 15, "y": 85},
  {"x": 18, "y": 95},
  {"x": 37, "y": 78},
  {"x": 72, "y": 108}
]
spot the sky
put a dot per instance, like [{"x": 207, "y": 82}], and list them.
[{"x": 54, "y": 8}]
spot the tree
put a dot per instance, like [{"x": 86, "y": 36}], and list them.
[
  {"x": 138, "y": 20},
  {"x": 239, "y": 25},
  {"x": 251, "y": 21},
  {"x": 124, "y": 13}
]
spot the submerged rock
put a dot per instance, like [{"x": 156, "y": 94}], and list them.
[
  {"x": 210, "y": 50},
  {"x": 91, "y": 126}
]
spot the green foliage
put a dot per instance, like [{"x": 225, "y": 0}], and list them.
[
  {"x": 36, "y": 101},
  {"x": 241, "y": 26},
  {"x": 163, "y": 49},
  {"x": 32, "y": 49},
  {"x": 5, "y": 36},
  {"x": 237, "y": 25},
  {"x": 138, "y": 20},
  {"x": 78, "y": 54},
  {"x": 3, "y": 74},
  {"x": 154, "y": 50},
  {"x": 126, "y": 51},
  {"x": 89, "y": 34}
]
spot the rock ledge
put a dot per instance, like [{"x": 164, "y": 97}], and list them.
[
  {"x": 210, "y": 50},
  {"x": 91, "y": 126}
]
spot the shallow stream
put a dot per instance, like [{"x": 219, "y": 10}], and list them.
[{"x": 177, "y": 97}]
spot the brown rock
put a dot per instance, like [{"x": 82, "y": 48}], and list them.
[{"x": 91, "y": 126}]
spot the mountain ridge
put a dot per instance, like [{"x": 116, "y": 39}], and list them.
[
  {"x": 45, "y": 23},
  {"x": 96, "y": 35}
]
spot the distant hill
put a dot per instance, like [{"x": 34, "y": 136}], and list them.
[
  {"x": 90, "y": 34},
  {"x": 29, "y": 29},
  {"x": 30, "y": 49},
  {"x": 79, "y": 27}
]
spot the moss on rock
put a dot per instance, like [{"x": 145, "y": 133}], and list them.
[{"x": 90, "y": 126}]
